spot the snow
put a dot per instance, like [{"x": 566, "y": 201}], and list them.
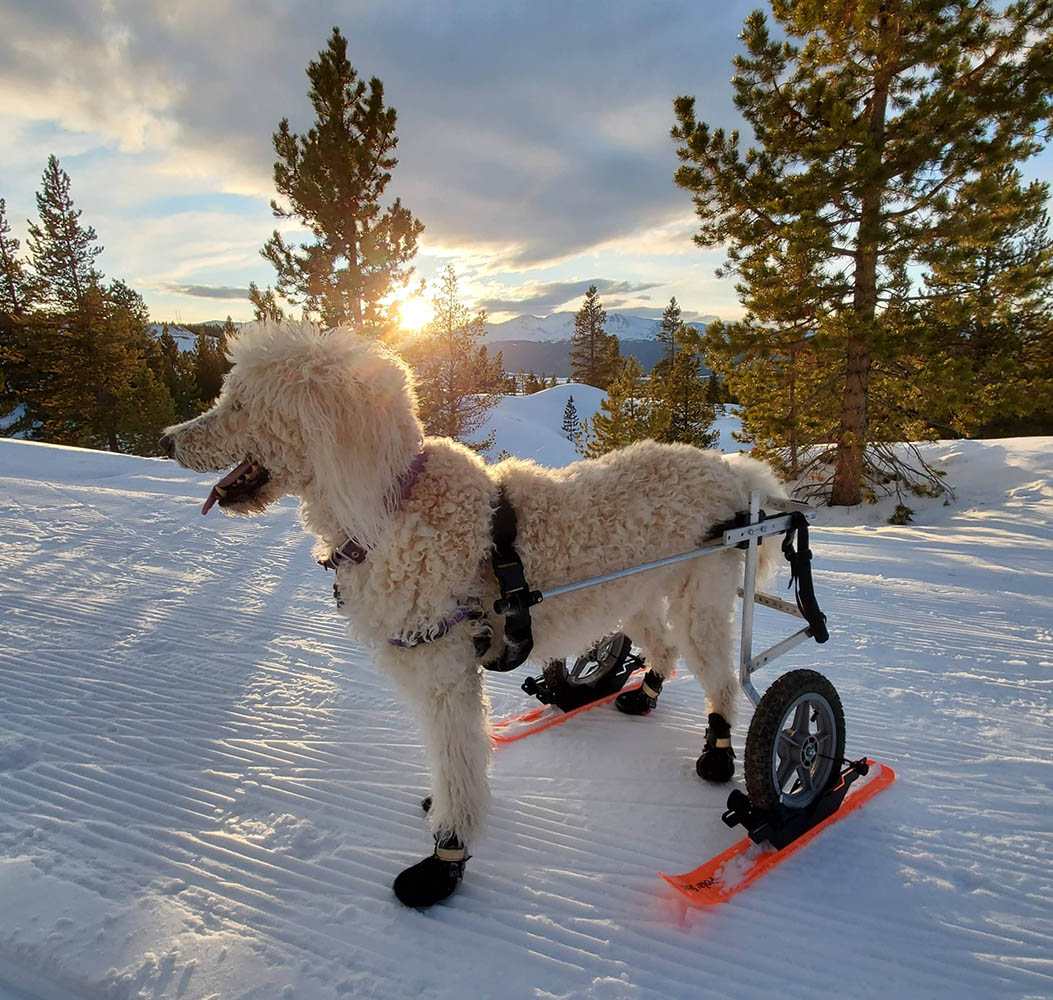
[
  {"x": 7, "y": 421},
  {"x": 186, "y": 340},
  {"x": 206, "y": 790},
  {"x": 531, "y": 426}
]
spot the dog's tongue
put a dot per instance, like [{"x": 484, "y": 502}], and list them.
[{"x": 229, "y": 478}]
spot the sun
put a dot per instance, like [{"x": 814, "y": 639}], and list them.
[{"x": 414, "y": 312}]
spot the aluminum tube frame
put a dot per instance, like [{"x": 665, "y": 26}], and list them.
[{"x": 751, "y": 534}]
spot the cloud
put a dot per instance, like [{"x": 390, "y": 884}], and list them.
[
  {"x": 545, "y": 298},
  {"x": 208, "y": 291},
  {"x": 539, "y": 129}
]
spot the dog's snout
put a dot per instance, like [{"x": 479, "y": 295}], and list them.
[{"x": 167, "y": 446}]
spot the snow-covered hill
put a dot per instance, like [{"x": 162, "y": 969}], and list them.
[
  {"x": 560, "y": 326},
  {"x": 206, "y": 789},
  {"x": 185, "y": 339},
  {"x": 531, "y": 426}
]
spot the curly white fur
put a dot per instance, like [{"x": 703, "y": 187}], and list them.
[{"x": 333, "y": 419}]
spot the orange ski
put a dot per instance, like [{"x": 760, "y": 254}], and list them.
[
  {"x": 516, "y": 727},
  {"x": 719, "y": 879}
]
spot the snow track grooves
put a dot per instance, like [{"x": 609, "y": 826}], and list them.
[{"x": 195, "y": 757}]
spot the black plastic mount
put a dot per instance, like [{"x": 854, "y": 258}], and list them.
[
  {"x": 553, "y": 688},
  {"x": 782, "y": 826}
]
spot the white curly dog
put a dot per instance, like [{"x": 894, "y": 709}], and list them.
[{"x": 332, "y": 418}]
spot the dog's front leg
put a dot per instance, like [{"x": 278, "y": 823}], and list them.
[{"x": 445, "y": 687}]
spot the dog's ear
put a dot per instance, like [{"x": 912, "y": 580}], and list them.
[{"x": 357, "y": 416}]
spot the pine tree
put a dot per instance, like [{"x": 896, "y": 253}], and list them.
[
  {"x": 668, "y": 329},
  {"x": 870, "y": 120},
  {"x": 210, "y": 365},
  {"x": 94, "y": 386},
  {"x": 63, "y": 250},
  {"x": 584, "y": 437},
  {"x": 792, "y": 389},
  {"x": 16, "y": 337},
  {"x": 623, "y": 417},
  {"x": 264, "y": 304},
  {"x": 175, "y": 369},
  {"x": 682, "y": 411},
  {"x": 989, "y": 310},
  {"x": 333, "y": 178},
  {"x": 457, "y": 381},
  {"x": 595, "y": 357},
  {"x": 570, "y": 420},
  {"x": 16, "y": 289}
]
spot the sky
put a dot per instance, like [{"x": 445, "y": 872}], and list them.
[{"x": 533, "y": 139}]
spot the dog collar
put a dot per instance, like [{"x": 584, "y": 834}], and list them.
[{"x": 352, "y": 550}]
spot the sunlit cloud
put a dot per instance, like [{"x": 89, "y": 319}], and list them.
[{"x": 533, "y": 139}]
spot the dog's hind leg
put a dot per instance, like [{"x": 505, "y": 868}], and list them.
[
  {"x": 652, "y": 637},
  {"x": 703, "y": 625},
  {"x": 446, "y": 690}
]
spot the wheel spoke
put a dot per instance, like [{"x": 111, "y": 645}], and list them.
[
  {"x": 783, "y": 773},
  {"x": 804, "y": 776},
  {"x": 801, "y": 718}
]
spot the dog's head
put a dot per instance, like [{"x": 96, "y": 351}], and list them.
[{"x": 325, "y": 415}]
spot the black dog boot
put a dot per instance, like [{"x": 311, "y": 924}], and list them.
[
  {"x": 435, "y": 878},
  {"x": 640, "y": 700},
  {"x": 717, "y": 762}
]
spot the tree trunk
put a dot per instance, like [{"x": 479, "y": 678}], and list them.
[
  {"x": 848, "y": 471},
  {"x": 852, "y": 441}
]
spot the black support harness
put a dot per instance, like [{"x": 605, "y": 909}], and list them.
[{"x": 516, "y": 596}]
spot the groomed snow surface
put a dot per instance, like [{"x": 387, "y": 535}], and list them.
[{"x": 206, "y": 790}]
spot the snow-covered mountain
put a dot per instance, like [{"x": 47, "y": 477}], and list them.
[{"x": 560, "y": 326}]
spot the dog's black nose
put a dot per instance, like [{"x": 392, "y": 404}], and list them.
[{"x": 167, "y": 445}]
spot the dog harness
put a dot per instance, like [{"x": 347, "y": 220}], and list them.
[{"x": 516, "y": 597}]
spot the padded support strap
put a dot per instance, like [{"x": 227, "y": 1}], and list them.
[
  {"x": 516, "y": 597},
  {"x": 800, "y": 560}
]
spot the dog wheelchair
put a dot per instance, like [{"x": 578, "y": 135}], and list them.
[{"x": 793, "y": 757}]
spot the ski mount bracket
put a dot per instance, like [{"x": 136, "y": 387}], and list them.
[
  {"x": 597, "y": 674},
  {"x": 782, "y": 826}
]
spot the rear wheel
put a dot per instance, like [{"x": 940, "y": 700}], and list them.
[
  {"x": 795, "y": 743},
  {"x": 590, "y": 669}
]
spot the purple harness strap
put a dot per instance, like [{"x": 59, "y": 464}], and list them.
[
  {"x": 352, "y": 550},
  {"x": 438, "y": 630}
]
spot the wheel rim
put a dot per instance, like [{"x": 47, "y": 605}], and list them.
[
  {"x": 802, "y": 757},
  {"x": 586, "y": 671}
]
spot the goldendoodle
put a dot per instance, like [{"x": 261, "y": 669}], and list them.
[{"x": 406, "y": 521}]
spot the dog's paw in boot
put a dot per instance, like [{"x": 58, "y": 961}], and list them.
[
  {"x": 643, "y": 699},
  {"x": 717, "y": 762},
  {"x": 435, "y": 878}
]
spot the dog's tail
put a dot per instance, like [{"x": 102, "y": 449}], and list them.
[{"x": 757, "y": 475}]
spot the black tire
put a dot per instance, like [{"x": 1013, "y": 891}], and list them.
[{"x": 776, "y": 746}]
